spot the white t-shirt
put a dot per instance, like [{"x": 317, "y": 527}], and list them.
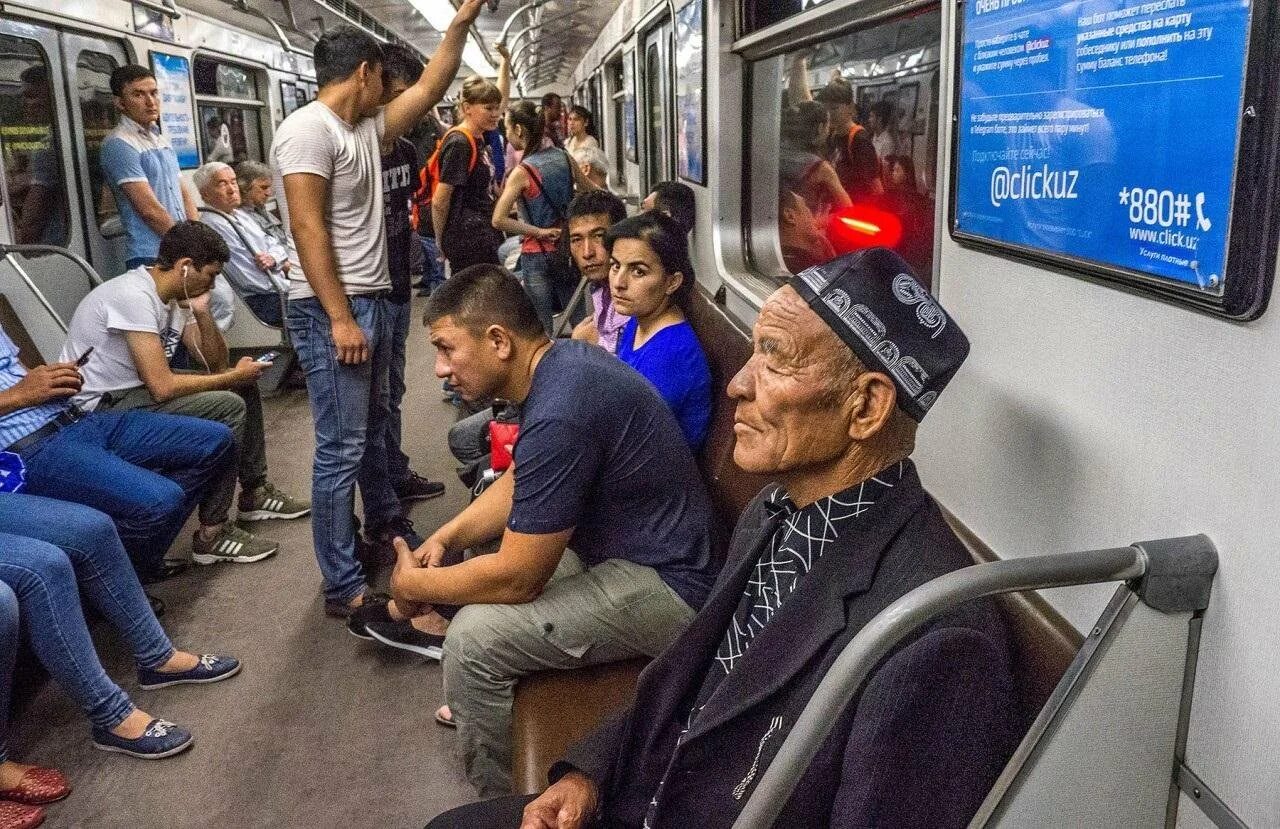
[
  {"x": 314, "y": 140},
  {"x": 127, "y": 303}
]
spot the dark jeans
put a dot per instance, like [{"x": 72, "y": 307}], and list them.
[
  {"x": 433, "y": 272},
  {"x": 50, "y": 551},
  {"x": 547, "y": 285},
  {"x": 265, "y": 307},
  {"x": 8, "y": 653},
  {"x": 463, "y": 253},
  {"x": 349, "y": 405},
  {"x": 138, "y": 261},
  {"x": 145, "y": 470},
  {"x": 400, "y": 316},
  {"x": 498, "y": 813}
]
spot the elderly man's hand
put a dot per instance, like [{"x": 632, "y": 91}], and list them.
[
  {"x": 265, "y": 261},
  {"x": 566, "y": 805}
]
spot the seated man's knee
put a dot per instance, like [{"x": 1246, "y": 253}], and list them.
[{"x": 225, "y": 407}]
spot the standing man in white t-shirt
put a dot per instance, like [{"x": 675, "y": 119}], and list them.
[{"x": 327, "y": 160}]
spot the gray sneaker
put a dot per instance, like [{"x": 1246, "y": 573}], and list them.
[{"x": 231, "y": 544}]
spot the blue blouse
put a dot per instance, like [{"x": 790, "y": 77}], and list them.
[{"x": 673, "y": 361}]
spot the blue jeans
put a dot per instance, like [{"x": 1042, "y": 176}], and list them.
[
  {"x": 433, "y": 273},
  {"x": 549, "y": 289},
  {"x": 50, "y": 551},
  {"x": 266, "y": 307},
  {"x": 146, "y": 470},
  {"x": 400, "y": 316},
  {"x": 349, "y": 405},
  {"x": 8, "y": 653}
]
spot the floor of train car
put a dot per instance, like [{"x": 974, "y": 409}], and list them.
[{"x": 320, "y": 729}]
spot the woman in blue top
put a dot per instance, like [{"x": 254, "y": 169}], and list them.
[{"x": 651, "y": 279}]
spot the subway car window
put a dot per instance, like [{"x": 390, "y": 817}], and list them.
[
  {"x": 98, "y": 114},
  {"x": 231, "y": 126},
  {"x": 858, "y": 144},
  {"x": 36, "y": 199}
]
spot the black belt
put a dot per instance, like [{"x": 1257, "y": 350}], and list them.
[{"x": 60, "y": 420}]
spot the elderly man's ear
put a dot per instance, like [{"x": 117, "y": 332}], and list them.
[{"x": 870, "y": 406}]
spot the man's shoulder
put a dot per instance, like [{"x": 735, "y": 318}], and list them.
[{"x": 312, "y": 122}]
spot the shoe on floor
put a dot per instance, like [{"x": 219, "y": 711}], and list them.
[
  {"x": 418, "y": 488},
  {"x": 20, "y": 816},
  {"x": 38, "y": 787},
  {"x": 445, "y": 717},
  {"x": 157, "y": 605},
  {"x": 406, "y": 637},
  {"x": 267, "y": 502},
  {"x": 231, "y": 544},
  {"x": 373, "y": 610},
  {"x": 161, "y": 739},
  {"x": 344, "y": 610},
  {"x": 385, "y": 533},
  {"x": 168, "y": 568},
  {"x": 208, "y": 669}
]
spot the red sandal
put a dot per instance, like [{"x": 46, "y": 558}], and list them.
[
  {"x": 37, "y": 787},
  {"x": 20, "y": 816}
]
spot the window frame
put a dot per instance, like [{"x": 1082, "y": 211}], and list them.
[{"x": 262, "y": 108}]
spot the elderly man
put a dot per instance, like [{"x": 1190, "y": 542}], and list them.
[
  {"x": 848, "y": 359},
  {"x": 259, "y": 265},
  {"x": 254, "y": 179}
]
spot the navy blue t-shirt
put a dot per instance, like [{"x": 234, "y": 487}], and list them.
[
  {"x": 600, "y": 451},
  {"x": 673, "y": 361},
  {"x": 399, "y": 171}
]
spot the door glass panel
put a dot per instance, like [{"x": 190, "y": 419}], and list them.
[
  {"x": 98, "y": 115},
  {"x": 36, "y": 199},
  {"x": 653, "y": 98},
  {"x": 230, "y": 134},
  {"x": 224, "y": 80}
]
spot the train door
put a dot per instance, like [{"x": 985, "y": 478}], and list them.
[
  {"x": 656, "y": 92},
  {"x": 88, "y": 63}
]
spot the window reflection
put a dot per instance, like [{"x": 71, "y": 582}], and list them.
[
  {"x": 858, "y": 144},
  {"x": 36, "y": 200},
  {"x": 98, "y": 117},
  {"x": 230, "y": 134}
]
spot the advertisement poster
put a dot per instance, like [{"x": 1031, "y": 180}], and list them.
[
  {"x": 691, "y": 79},
  {"x": 173, "y": 76},
  {"x": 1103, "y": 130}
]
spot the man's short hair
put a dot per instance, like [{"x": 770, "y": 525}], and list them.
[
  {"x": 340, "y": 51},
  {"x": 125, "y": 75},
  {"x": 598, "y": 203},
  {"x": 400, "y": 63},
  {"x": 195, "y": 240},
  {"x": 836, "y": 92},
  {"x": 549, "y": 99},
  {"x": 676, "y": 200},
  {"x": 201, "y": 178},
  {"x": 484, "y": 295},
  {"x": 249, "y": 171}
]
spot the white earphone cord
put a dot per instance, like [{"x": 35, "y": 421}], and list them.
[{"x": 187, "y": 294}]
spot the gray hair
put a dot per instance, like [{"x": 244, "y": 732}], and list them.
[
  {"x": 205, "y": 174},
  {"x": 593, "y": 157},
  {"x": 247, "y": 172}
]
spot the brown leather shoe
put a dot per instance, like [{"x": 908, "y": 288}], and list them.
[{"x": 38, "y": 786}]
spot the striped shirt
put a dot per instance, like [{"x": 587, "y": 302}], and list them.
[
  {"x": 16, "y": 425},
  {"x": 134, "y": 153}
]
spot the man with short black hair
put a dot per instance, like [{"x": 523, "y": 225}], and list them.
[
  {"x": 141, "y": 168},
  {"x": 849, "y": 358},
  {"x": 133, "y": 323},
  {"x": 590, "y": 216},
  {"x": 604, "y": 521},
  {"x": 327, "y": 158},
  {"x": 676, "y": 200}
]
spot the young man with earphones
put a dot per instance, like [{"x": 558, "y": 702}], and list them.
[{"x": 134, "y": 323}]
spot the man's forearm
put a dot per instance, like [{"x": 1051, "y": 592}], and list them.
[
  {"x": 439, "y": 216},
  {"x": 480, "y": 580},
  {"x": 212, "y": 346},
  {"x": 318, "y": 264},
  {"x": 181, "y": 385},
  {"x": 484, "y": 519},
  {"x": 13, "y": 399}
]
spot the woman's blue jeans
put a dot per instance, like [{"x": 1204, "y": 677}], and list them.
[
  {"x": 546, "y": 285},
  {"x": 8, "y": 651},
  {"x": 50, "y": 551}
]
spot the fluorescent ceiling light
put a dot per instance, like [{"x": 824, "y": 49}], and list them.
[
  {"x": 440, "y": 13},
  {"x": 473, "y": 56}
]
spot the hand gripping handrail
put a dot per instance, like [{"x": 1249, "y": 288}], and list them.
[{"x": 1175, "y": 572}]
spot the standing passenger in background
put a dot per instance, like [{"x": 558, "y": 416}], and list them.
[
  {"x": 590, "y": 217},
  {"x": 582, "y": 130},
  {"x": 254, "y": 179},
  {"x": 141, "y": 167},
  {"x": 401, "y": 69},
  {"x": 541, "y": 188},
  {"x": 675, "y": 200},
  {"x": 651, "y": 278},
  {"x": 850, "y": 149},
  {"x": 880, "y": 122},
  {"x": 462, "y": 205},
  {"x": 327, "y": 157},
  {"x": 801, "y": 166},
  {"x": 557, "y": 126}
]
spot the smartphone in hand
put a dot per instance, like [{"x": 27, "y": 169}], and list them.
[{"x": 269, "y": 357}]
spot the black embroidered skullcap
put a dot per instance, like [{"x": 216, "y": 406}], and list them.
[{"x": 872, "y": 301}]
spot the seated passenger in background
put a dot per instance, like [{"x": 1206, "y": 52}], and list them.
[
  {"x": 144, "y": 470},
  {"x": 133, "y": 323},
  {"x": 605, "y": 474},
  {"x": 594, "y": 164},
  {"x": 846, "y": 530},
  {"x": 254, "y": 180},
  {"x": 674, "y": 199},
  {"x": 258, "y": 269},
  {"x": 50, "y": 551},
  {"x": 651, "y": 278},
  {"x": 590, "y": 217}
]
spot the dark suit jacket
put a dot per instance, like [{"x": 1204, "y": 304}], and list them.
[{"x": 920, "y": 745}]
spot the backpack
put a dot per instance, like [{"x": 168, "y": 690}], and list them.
[
  {"x": 560, "y": 257},
  {"x": 429, "y": 177}
]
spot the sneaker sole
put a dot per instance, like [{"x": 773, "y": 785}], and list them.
[
  {"x": 365, "y": 636},
  {"x": 144, "y": 756},
  {"x": 205, "y": 681},
  {"x": 419, "y": 497},
  {"x": 205, "y": 559},
  {"x": 267, "y": 515},
  {"x": 430, "y": 652}
]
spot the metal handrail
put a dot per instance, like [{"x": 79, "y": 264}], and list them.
[
  {"x": 891, "y": 625},
  {"x": 95, "y": 279}
]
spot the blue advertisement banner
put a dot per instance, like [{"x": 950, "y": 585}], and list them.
[
  {"x": 1104, "y": 130},
  {"x": 173, "y": 76}
]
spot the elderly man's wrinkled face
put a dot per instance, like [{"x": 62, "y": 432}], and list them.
[
  {"x": 472, "y": 364},
  {"x": 258, "y": 193},
  {"x": 787, "y": 419},
  {"x": 222, "y": 192}
]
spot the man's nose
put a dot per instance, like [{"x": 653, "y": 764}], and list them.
[{"x": 741, "y": 386}]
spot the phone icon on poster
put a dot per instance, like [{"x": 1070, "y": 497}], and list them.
[{"x": 1202, "y": 221}]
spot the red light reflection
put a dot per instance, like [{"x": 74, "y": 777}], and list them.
[{"x": 863, "y": 226}]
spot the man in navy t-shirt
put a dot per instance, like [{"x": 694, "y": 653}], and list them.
[{"x": 606, "y": 550}]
